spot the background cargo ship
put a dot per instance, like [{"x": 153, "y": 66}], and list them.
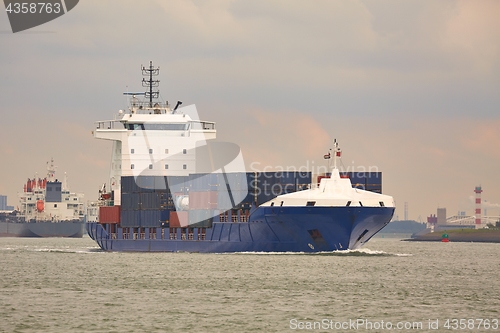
[
  {"x": 173, "y": 188},
  {"x": 46, "y": 209}
]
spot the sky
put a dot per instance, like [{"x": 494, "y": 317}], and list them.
[{"x": 410, "y": 88}]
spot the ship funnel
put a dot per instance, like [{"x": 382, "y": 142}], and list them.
[{"x": 177, "y": 105}]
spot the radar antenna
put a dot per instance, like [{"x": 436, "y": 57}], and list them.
[{"x": 151, "y": 71}]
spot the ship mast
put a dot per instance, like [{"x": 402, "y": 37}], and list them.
[
  {"x": 51, "y": 170},
  {"x": 337, "y": 153},
  {"x": 151, "y": 71}
]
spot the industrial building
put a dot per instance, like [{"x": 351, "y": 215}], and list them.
[
  {"x": 3, "y": 204},
  {"x": 476, "y": 221}
]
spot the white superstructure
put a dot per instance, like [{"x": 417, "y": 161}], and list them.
[
  {"x": 333, "y": 192},
  {"x": 49, "y": 199},
  {"x": 153, "y": 139}
]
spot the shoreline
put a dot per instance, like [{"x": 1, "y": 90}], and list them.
[{"x": 460, "y": 235}]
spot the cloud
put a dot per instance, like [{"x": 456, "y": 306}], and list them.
[
  {"x": 482, "y": 137},
  {"x": 277, "y": 138},
  {"x": 474, "y": 30},
  {"x": 408, "y": 86}
]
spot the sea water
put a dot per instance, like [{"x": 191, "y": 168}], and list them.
[{"x": 70, "y": 285}]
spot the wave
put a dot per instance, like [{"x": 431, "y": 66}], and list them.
[
  {"x": 350, "y": 253},
  {"x": 68, "y": 250}
]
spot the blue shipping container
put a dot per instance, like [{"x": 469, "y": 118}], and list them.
[
  {"x": 150, "y": 218},
  {"x": 130, "y": 218}
]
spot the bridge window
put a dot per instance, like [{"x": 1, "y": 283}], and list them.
[
  {"x": 348, "y": 203},
  {"x": 381, "y": 204},
  {"x": 311, "y": 203},
  {"x": 159, "y": 127}
]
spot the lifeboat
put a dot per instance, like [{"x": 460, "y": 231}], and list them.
[
  {"x": 106, "y": 196},
  {"x": 40, "y": 205}
]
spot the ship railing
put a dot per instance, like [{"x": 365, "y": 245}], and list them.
[
  {"x": 234, "y": 217},
  {"x": 108, "y": 124},
  {"x": 94, "y": 204},
  {"x": 202, "y": 125},
  {"x": 186, "y": 234}
]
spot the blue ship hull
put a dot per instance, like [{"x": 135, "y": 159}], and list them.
[{"x": 269, "y": 229}]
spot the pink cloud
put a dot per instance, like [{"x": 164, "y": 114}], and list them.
[
  {"x": 283, "y": 138},
  {"x": 483, "y": 137}
]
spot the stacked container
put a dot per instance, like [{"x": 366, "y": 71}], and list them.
[
  {"x": 374, "y": 182},
  {"x": 109, "y": 214},
  {"x": 147, "y": 201},
  {"x": 269, "y": 185},
  {"x": 203, "y": 200}
]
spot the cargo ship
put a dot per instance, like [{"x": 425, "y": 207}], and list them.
[
  {"x": 174, "y": 188},
  {"x": 47, "y": 209}
]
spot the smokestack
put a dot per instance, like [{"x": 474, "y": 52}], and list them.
[{"x": 478, "y": 191}]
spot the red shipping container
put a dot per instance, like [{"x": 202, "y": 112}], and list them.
[
  {"x": 109, "y": 214},
  {"x": 212, "y": 200},
  {"x": 203, "y": 200},
  {"x": 179, "y": 219}
]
